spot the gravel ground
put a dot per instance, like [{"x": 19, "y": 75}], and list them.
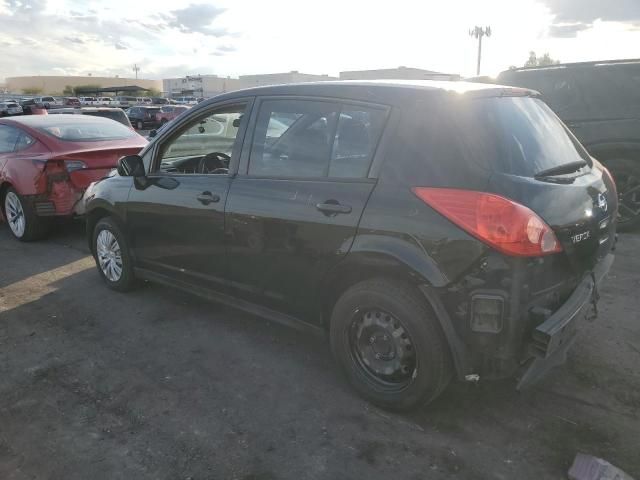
[{"x": 159, "y": 385}]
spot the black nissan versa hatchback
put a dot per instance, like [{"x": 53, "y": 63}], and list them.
[{"x": 433, "y": 229}]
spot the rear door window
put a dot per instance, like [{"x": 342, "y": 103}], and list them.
[
  {"x": 356, "y": 138},
  {"x": 314, "y": 139}
]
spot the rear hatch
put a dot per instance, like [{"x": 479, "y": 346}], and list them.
[{"x": 534, "y": 160}]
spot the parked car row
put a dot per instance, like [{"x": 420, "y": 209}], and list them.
[
  {"x": 143, "y": 117},
  {"x": 434, "y": 230},
  {"x": 116, "y": 114}
]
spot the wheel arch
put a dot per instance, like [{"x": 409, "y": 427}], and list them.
[
  {"x": 4, "y": 186},
  {"x": 395, "y": 259},
  {"x": 97, "y": 211}
]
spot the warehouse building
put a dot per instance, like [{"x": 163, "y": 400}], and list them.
[{"x": 55, "y": 85}]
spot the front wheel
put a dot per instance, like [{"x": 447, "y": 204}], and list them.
[
  {"x": 24, "y": 223},
  {"x": 112, "y": 257},
  {"x": 390, "y": 345}
]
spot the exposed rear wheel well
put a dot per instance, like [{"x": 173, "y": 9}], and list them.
[{"x": 341, "y": 281}]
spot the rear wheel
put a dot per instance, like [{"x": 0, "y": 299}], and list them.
[
  {"x": 390, "y": 345},
  {"x": 21, "y": 217},
  {"x": 112, "y": 257},
  {"x": 626, "y": 173}
]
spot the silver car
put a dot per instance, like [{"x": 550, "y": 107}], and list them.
[{"x": 10, "y": 108}]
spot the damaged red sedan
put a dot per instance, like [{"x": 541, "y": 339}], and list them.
[{"x": 47, "y": 162}]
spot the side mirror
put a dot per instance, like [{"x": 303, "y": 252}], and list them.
[
  {"x": 153, "y": 133},
  {"x": 131, "y": 166}
]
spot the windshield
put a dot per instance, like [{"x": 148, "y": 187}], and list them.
[
  {"x": 87, "y": 131},
  {"x": 513, "y": 135}
]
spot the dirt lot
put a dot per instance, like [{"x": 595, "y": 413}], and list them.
[{"x": 159, "y": 385}]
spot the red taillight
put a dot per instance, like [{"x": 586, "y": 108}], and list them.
[{"x": 501, "y": 223}]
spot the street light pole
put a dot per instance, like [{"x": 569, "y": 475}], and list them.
[
  {"x": 136, "y": 69},
  {"x": 479, "y": 32}
]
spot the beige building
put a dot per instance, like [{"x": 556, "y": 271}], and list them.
[
  {"x": 247, "y": 81},
  {"x": 400, "y": 73},
  {"x": 211, "y": 85},
  {"x": 55, "y": 85},
  {"x": 199, "y": 86}
]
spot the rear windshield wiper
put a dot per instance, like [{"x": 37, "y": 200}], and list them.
[{"x": 562, "y": 169}]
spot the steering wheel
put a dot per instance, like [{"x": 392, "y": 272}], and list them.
[{"x": 214, "y": 163}]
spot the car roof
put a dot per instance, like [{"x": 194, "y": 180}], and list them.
[
  {"x": 383, "y": 91},
  {"x": 84, "y": 109}
]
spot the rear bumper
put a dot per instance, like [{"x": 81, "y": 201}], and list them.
[{"x": 551, "y": 340}]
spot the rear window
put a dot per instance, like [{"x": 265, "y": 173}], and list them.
[
  {"x": 87, "y": 131},
  {"x": 513, "y": 135},
  {"x": 118, "y": 116}
]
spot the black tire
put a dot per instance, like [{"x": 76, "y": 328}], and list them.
[
  {"x": 626, "y": 173},
  {"x": 433, "y": 368},
  {"x": 35, "y": 227},
  {"x": 126, "y": 280}
]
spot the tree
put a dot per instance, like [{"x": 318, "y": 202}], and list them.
[
  {"x": 543, "y": 61},
  {"x": 32, "y": 90},
  {"x": 152, "y": 92},
  {"x": 89, "y": 89}
]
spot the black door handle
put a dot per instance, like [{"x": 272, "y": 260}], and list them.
[
  {"x": 207, "y": 197},
  {"x": 333, "y": 208}
]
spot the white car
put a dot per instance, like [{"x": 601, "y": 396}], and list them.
[
  {"x": 48, "y": 102},
  {"x": 10, "y": 108},
  {"x": 88, "y": 101},
  {"x": 104, "y": 101}
]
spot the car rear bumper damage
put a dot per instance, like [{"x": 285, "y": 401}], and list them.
[{"x": 551, "y": 340}]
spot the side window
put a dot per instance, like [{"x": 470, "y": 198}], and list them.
[
  {"x": 24, "y": 141},
  {"x": 204, "y": 146},
  {"x": 357, "y": 136},
  {"x": 293, "y": 138},
  {"x": 301, "y": 138},
  {"x": 8, "y": 138}
]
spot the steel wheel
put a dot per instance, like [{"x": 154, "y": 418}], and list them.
[
  {"x": 383, "y": 349},
  {"x": 109, "y": 255},
  {"x": 15, "y": 214}
]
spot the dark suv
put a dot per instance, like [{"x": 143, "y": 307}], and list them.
[
  {"x": 432, "y": 229},
  {"x": 600, "y": 103}
]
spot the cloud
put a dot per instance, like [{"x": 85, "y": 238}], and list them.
[
  {"x": 120, "y": 46},
  {"x": 75, "y": 40},
  {"x": 569, "y": 30},
  {"x": 226, "y": 48},
  {"x": 573, "y": 16},
  {"x": 197, "y": 18}
]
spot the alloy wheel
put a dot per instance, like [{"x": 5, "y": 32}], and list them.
[
  {"x": 109, "y": 255},
  {"x": 15, "y": 214},
  {"x": 628, "y": 197}
]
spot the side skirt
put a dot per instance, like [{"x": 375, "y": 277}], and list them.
[{"x": 231, "y": 301}]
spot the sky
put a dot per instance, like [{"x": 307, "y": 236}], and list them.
[{"x": 170, "y": 38}]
